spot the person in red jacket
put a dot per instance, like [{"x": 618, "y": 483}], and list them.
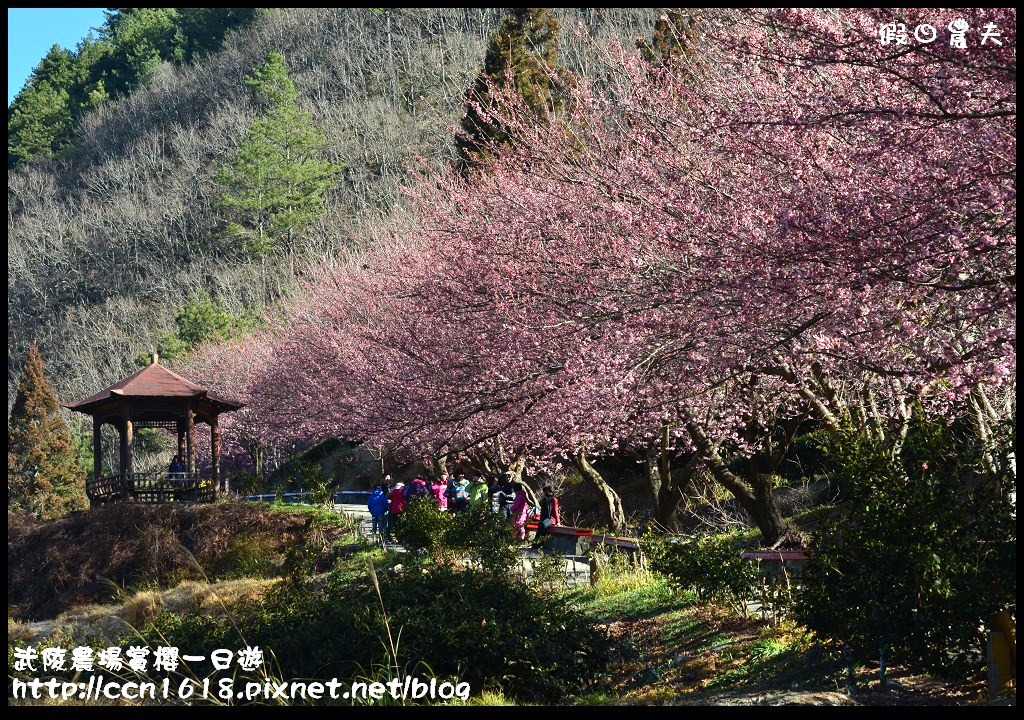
[
  {"x": 397, "y": 498},
  {"x": 550, "y": 514}
]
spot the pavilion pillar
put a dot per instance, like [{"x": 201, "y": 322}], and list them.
[
  {"x": 182, "y": 448},
  {"x": 123, "y": 448},
  {"x": 215, "y": 453},
  {"x": 127, "y": 454},
  {"x": 190, "y": 432},
  {"x": 129, "y": 433},
  {"x": 97, "y": 448},
  {"x": 97, "y": 453}
]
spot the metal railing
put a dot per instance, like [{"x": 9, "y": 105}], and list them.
[
  {"x": 150, "y": 487},
  {"x": 338, "y": 497}
]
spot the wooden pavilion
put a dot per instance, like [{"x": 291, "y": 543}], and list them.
[{"x": 154, "y": 397}]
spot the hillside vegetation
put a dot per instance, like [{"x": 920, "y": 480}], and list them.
[
  {"x": 93, "y": 556},
  {"x": 637, "y": 636},
  {"x": 111, "y": 239}
]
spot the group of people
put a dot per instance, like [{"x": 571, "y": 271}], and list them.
[{"x": 501, "y": 494}]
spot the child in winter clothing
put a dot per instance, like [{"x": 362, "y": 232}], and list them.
[
  {"x": 440, "y": 492},
  {"x": 460, "y": 498},
  {"x": 477, "y": 491}
]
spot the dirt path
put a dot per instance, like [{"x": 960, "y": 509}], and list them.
[{"x": 707, "y": 656}]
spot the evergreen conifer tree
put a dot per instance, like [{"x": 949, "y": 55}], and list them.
[
  {"x": 129, "y": 47},
  {"x": 42, "y": 477},
  {"x": 277, "y": 182},
  {"x": 40, "y": 116},
  {"x": 523, "y": 52}
]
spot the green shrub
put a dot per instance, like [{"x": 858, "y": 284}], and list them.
[
  {"x": 245, "y": 483},
  {"x": 423, "y": 529},
  {"x": 486, "y": 538},
  {"x": 710, "y": 566},
  {"x": 485, "y": 628},
  {"x": 496, "y": 632},
  {"x": 477, "y": 535},
  {"x": 251, "y": 555},
  {"x": 925, "y": 554}
]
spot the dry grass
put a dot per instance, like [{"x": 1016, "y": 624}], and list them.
[
  {"x": 90, "y": 623},
  {"x": 18, "y": 633},
  {"x": 95, "y": 556}
]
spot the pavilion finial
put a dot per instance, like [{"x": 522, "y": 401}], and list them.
[{"x": 156, "y": 358}]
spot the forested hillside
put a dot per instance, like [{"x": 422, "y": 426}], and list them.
[
  {"x": 722, "y": 300},
  {"x": 110, "y": 240}
]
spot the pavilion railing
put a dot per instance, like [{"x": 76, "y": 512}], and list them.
[{"x": 150, "y": 487}]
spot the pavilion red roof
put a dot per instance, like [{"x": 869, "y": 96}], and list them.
[{"x": 151, "y": 381}]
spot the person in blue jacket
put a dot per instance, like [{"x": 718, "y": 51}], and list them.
[
  {"x": 418, "y": 488},
  {"x": 378, "y": 507}
]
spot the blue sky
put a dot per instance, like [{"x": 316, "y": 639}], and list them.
[{"x": 31, "y": 32}]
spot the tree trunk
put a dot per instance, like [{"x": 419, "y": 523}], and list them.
[
  {"x": 981, "y": 423},
  {"x": 664, "y": 462},
  {"x": 653, "y": 474},
  {"x": 816, "y": 402},
  {"x": 255, "y": 450},
  {"x": 668, "y": 503},
  {"x": 759, "y": 502},
  {"x": 439, "y": 465},
  {"x": 481, "y": 463},
  {"x": 765, "y": 511},
  {"x": 672, "y": 492},
  {"x": 516, "y": 468},
  {"x": 613, "y": 503}
]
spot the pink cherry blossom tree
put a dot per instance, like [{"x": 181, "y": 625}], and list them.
[{"x": 798, "y": 224}]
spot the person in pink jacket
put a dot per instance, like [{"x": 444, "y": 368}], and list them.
[
  {"x": 517, "y": 515},
  {"x": 440, "y": 490}
]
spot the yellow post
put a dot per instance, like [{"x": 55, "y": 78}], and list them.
[{"x": 1002, "y": 653}]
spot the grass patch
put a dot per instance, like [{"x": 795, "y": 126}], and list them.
[
  {"x": 252, "y": 554},
  {"x": 324, "y": 514},
  {"x": 773, "y": 660},
  {"x": 811, "y": 520},
  {"x": 491, "y": 699},
  {"x": 351, "y": 565},
  {"x": 684, "y": 631},
  {"x": 625, "y": 591}
]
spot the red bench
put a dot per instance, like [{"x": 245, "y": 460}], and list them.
[{"x": 565, "y": 539}]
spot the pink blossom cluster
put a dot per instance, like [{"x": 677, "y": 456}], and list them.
[{"x": 791, "y": 220}]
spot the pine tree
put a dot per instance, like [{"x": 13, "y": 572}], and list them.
[
  {"x": 140, "y": 38},
  {"x": 42, "y": 477},
  {"x": 276, "y": 183},
  {"x": 128, "y": 49},
  {"x": 523, "y": 52},
  {"x": 202, "y": 30},
  {"x": 40, "y": 116}
]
